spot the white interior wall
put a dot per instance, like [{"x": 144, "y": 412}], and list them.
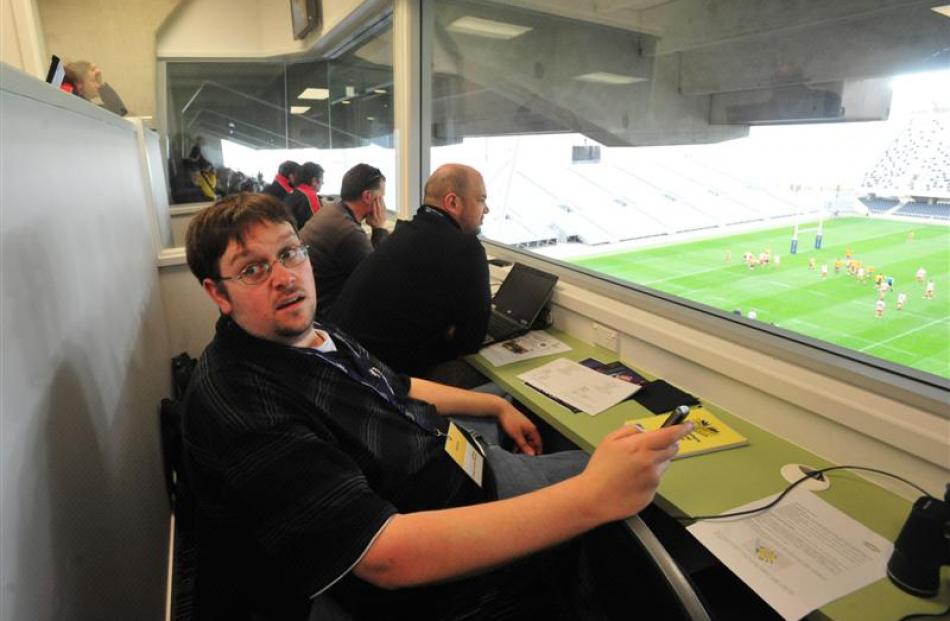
[
  {"x": 84, "y": 363},
  {"x": 242, "y": 29},
  {"x": 21, "y": 38}
]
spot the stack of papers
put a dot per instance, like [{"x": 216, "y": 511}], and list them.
[
  {"x": 578, "y": 386},
  {"x": 800, "y": 554},
  {"x": 531, "y": 345}
]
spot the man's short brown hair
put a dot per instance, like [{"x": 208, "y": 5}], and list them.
[{"x": 213, "y": 228}]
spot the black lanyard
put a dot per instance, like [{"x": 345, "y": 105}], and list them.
[
  {"x": 438, "y": 212},
  {"x": 371, "y": 376}
]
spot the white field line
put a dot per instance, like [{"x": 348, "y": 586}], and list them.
[{"x": 903, "y": 334}]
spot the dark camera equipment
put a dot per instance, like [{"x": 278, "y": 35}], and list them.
[{"x": 922, "y": 547}]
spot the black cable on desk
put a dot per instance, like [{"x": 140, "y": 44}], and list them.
[{"x": 814, "y": 474}]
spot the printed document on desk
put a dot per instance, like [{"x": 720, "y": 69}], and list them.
[
  {"x": 573, "y": 383},
  {"x": 800, "y": 554},
  {"x": 525, "y": 347}
]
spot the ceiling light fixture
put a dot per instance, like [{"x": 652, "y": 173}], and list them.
[
  {"x": 604, "y": 77},
  {"x": 380, "y": 91},
  {"x": 488, "y": 28},
  {"x": 943, "y": 10},
  {"x": 314, "y": 93},
  {"x": 299, "y": 109}
]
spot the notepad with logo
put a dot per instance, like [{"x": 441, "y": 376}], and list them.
[{"x": 709, "y": 433}]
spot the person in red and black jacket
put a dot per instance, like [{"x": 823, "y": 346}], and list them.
[
  {"x": 303, "y": 201},
  {"x": 284, "y": 181}
]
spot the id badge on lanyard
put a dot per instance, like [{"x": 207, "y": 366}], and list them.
[{"x": 465, "y": 451}]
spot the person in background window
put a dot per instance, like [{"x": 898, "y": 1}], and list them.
[
  {"x": 207, "y": 181},
  {"x": 184, "y": 189},
  {"x": 303, "y": 201},
  {"x": 196, "y": 155},
  {"x": 284, "y": 180},
  {"x": 335, "y": 236},
  {"x": 430, "y": 278},
  {"x": 87, "y": 82}
]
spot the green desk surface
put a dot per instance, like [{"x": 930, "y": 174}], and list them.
[{"x": 716, "y": 482}]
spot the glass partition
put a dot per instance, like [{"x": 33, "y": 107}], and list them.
[
  {"x": 785, "y": 165},
  {"x": 240, "y": 120}
]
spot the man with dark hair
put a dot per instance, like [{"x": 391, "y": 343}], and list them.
[
  {"x": 359, "y": 179},
  {"x": 303, "y": 201},
  {"x": 430, "y": 278},
  {"x": 284, "y": 180},
  {"x": 324, "y": 470},
  {"x": 335, "y": 236}
]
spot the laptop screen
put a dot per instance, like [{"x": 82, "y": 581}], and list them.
[{"x": 524, "y": 293}]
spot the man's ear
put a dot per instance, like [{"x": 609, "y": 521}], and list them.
[
  {"x": 450, "y": 202},
  {"x": 218, "y": 294}
]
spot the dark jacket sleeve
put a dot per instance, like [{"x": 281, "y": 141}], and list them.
[
  {"x": 352, "y": 248},
  {"x": 299, "y": 206},
  {"x": 472, "y": 299}
]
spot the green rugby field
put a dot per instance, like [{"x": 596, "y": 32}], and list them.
[{"x": 839, "y": 309}]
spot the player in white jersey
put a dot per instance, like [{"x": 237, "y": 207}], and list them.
[
  {"x": 824, "y": 271},
  {"x": 901, "y": 300},
  {"x": 921, "y": 274},
  {"x": 929, "y": 291},
  {"x": 879, "y": 308},
  {"x": 883, "y": 288}
]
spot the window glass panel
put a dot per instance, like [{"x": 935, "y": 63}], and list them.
[
  {"x": 725, "y": 153},
  {"x": 250, "y": 117}
]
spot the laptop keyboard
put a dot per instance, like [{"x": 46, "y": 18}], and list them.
[{"x": 499, "y": 327}]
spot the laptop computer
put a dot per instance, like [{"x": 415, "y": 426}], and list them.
[{"x": 518, "y": 302}]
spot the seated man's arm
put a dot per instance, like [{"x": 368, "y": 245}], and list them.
[
  {"x": 470, "y": 300},
  {"x": 432, "y": 546},
  {"x": 449, "y": 400}
]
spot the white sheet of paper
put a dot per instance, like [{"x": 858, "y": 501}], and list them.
[
  {"x": 799, "y": 555},
  {"x": 584, "y": 388},
  {"x": 525, "y": 347}
]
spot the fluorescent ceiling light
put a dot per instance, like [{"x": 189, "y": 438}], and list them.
[
  {"x": 345, "y": 102},
  {"x": 487, "y": 28},
  {"x": 943, "y": 10},
  {"x": 371, "y": 118},
  {"x": 350, "y": 91},
  {"x": 314, "y": 93},
  {"x": 603, "y": 77},
  {"x": 380, "y": 91},
  {"x": 299, "y": 109}
]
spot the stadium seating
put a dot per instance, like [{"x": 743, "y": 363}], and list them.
[
  {"x": 939, "y": 211},
  {"x": 916, "y": 162},
  {"x": 880, "y": 205}
]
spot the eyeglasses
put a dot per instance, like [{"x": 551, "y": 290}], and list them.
[{"x": 259, "y": 271}]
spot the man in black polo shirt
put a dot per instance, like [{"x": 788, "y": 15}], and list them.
[
  {"x": 430, "y": 279},
  {"x": 332, "y": 473}
]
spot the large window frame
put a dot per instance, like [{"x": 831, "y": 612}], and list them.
[{"x": 914, "y": 388}]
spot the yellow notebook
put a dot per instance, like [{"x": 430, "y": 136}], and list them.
[{"x": 709, "y": 433}]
